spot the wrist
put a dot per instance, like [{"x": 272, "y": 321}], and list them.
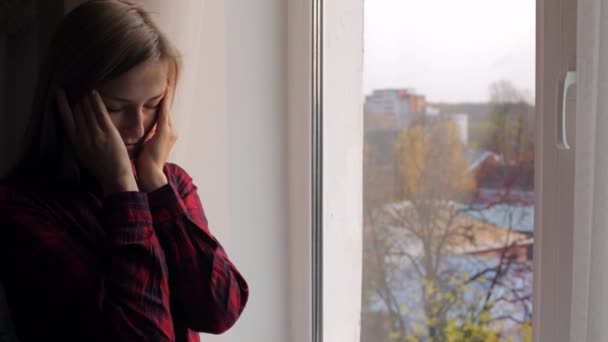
[
  {"x": 150, "y": 181},
  {"x": 120, "y": 185}
]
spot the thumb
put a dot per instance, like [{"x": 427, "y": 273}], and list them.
[{"x": 165, "y": 107}]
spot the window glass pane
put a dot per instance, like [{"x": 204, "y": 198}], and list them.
[{"x": 448, "y": 170}]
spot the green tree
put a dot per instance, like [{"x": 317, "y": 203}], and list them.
[{"x": 511, "y": 127}]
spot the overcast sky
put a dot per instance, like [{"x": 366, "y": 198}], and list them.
[{"x": 449, "y": 50}]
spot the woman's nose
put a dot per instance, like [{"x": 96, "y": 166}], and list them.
[{"x": 136, "y": 123}]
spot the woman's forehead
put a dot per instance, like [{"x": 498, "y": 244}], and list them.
[{"x": 141, "y": 83}]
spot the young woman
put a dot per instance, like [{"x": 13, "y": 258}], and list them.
[{"x": 100, "y": 238}]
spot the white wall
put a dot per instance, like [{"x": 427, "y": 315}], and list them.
[
  {"x": 256, "y": 91},
  {"x": 230, "y": 113}
]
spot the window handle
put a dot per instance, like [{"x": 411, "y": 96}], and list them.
[{"x": 562, "y": 142}]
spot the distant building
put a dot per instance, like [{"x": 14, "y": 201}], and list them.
[
  {"x": 393, "y": 107},
  {"x": 478, "y": 159},
  {"x": 461, "y": 121},
  {"x": 432, "y": 111},
  {"x": 493, "y": 172}
]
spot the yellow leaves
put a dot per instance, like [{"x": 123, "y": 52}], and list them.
[
  {"x": 484, "y": 316},
  {"x": 526, "y": 328},
  {"x": 432, "y": 322},
  {"x": 413, "y": 152},
  {"x": 428, "y": 286},
  {"x": 448, "y": 296},
  {"x": 412, "y": 339},
  {"x": 431, "y": 162},
  {"x": 419, "y": 329},
  {"x": 394, "y": 335},
  {"x": 469, "y": 332}
]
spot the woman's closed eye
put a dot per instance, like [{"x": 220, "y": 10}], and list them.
[{"x": 112, "y": 109}]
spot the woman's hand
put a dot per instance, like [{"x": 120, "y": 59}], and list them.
[
  {"x": 153, "y": 156},
  {"x": 97, "y": 143}
]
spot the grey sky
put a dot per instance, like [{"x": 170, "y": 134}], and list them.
[{"x": 449, "y": 50}]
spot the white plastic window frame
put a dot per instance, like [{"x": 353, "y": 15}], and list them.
[
  {"x": 556, "y": 54},
  {"x": 325, "y": 137},
  {"x": 325, "y": 47}
]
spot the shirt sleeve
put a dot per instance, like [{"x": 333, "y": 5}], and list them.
[
  {"x": 137, "y": 298},
  {"x": 207, "y": 289},
  {"x": 125, "y": 296}
]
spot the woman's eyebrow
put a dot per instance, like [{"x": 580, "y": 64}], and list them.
[{"x": 127, "y": 100}]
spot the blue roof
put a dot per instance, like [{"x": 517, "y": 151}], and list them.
[{"x": 508, "y": 216}]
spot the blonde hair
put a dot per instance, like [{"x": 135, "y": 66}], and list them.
[{"x": 97, "y": 41}]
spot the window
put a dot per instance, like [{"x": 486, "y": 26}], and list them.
[
  {"x": 448, "y": 187},
  {"x": 547, "y": 182}
]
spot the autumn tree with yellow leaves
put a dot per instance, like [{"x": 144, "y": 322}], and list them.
[{"x": 422, "y": 228}]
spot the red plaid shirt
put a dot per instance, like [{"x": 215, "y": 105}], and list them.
[{"x": 128, "y": 267}]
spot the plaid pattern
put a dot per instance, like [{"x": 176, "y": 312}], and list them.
[{"x": 128, "y": 267}]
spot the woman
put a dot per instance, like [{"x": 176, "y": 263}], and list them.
[{"x": 101, "y": 238}]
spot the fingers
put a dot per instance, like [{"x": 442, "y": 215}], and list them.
[
  {"x": 167, "y": 102},
  {"x": 79, "y": 121},
  {"x": 90, "y": 115},
  {"x": 151, "y": 133},
  {"x": 170, "y": 121},
  {"x": 165, "y": 108},
  {"x": 168, "y": 98},
  {"x": 65, "y": 112},
  {"x": 86, "y": 118},
  {"x": 163, "y": 129},
  {"x": 99, "y": 108}
]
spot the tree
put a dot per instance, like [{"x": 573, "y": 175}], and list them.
[
  {"x": 416, "y": 237},
  {"x": 510, "y": 133},
  {"x": 433, "y": 175}
]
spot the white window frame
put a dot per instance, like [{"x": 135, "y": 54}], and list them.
[
  {"x": 325, "y": 60},
  {"x": 556, "y": 51},
  {"x": 342, "y": 52},
  {"x": 299, "y": 169}
]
